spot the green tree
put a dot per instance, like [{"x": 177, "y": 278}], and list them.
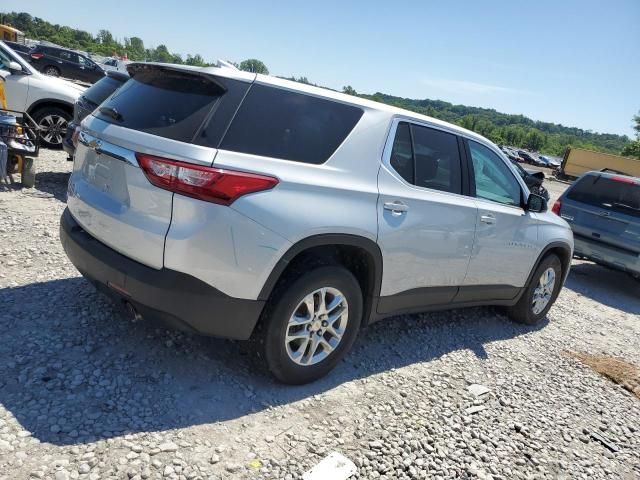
[
  {"x": 254, "y": 65},
  {"x": 632, "y": 149},
  {"x": 349, "y": 90},
  {"x": 195, "y": 60},
  {"x": 534, "y": 140}
]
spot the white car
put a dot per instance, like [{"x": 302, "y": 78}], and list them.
[
  {"x": 115, "y": 64},
  {"x": 48, "y": 100}
]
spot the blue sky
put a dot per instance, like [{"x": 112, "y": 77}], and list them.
[{"x": 575, "y": 62}]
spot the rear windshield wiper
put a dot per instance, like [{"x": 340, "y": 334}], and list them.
[{"x": 111, "y": 112}]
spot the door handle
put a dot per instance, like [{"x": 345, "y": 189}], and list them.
[
  {"x": 488, "y": 219},
  {"x": 397, "y": 208}
]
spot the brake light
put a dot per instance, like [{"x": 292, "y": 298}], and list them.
[
  {"x": 204, "y": 183},
  {"x": 556, "y": 207},
  {"x": 37, "y": 56},
  {"x": 623, "y": 180}
]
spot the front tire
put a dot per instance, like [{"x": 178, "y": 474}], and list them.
[
  {"x": 540, "y": 294},
  {"x": 53, "y": 125},
  {"x": 310, "y": 324}
]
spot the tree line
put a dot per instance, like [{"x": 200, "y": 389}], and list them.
[{"x": 502, "y": 128}]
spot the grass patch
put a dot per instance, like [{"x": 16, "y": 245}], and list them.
[{"x": 615, "y": 369}]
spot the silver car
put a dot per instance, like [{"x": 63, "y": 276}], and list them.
[
  {"x": 603, "y": 210},
  {"x": 246, "y": 206}
]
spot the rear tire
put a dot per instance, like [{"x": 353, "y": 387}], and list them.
[
  {"x": 28, "y": 174},
  {"x": 51, "y": 71},
  {"x": 300, "y": 346},
  {"x": 538, "y": 296}
]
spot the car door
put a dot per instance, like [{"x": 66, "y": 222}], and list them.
[
  {"x": 89, "y": 71},
  {"x": 425, "y": 223},
  {"x": 70, "y": 65},
  {"x": 16, "y": 85},
  {"x": 505, "y": 246}
]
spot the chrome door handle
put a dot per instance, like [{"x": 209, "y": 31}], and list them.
[
  {"x": 397, "y": 208},
  {"x": 488, "y": 218}
]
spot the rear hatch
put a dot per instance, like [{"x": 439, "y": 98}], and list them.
[
  {"x": 173, "y": 113},
  {"x": 605, "y": 209}
]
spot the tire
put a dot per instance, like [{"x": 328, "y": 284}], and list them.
[
  {"x": 525, "y": 311},
  {"x": 51, "y": 71},
  {"x": 278, "y": 322},
  {"x": 28, "y": 172},
  {"x": 53, "y": 125}
]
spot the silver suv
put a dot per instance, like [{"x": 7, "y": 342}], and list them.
[{"x": 246, "y": 206}]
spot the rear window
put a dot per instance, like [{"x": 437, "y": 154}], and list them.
[
  {"x": 607, "y": 193},
  {"x": 99, "y": 91},
  {"x": 162, "y": 102},
  {"x": 273, "y": 122}
]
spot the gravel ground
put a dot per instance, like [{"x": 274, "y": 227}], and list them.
[{"x": 86, "y": 394}]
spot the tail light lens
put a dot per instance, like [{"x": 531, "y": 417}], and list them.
[
  {"x": 204, "y": 183},
  {"x": 37, "y": 56},
  {"x": 556, "y": 207}
]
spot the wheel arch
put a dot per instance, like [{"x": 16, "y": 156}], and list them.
[
  {"x": 362, "y": 256},
  {"x": 50, "y": 102},
  {"x": 563, "y": 252}
]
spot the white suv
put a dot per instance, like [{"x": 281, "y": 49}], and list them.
[
  {"x": 246, "y": 206},
  {"x": 48, "y": 100}
]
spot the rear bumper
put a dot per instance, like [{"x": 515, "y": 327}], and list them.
[
  {"x": 610, "y": 256},
  {"x": 174, "y": 298}
]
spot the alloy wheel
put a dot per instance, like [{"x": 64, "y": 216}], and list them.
[
  {"x": 53, "y": 128},
  {"x": 544, "y": 291},
  {"x": 316, "y": 326}
]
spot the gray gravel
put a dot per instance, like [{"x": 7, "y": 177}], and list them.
[{"x": 86, "y": 394}]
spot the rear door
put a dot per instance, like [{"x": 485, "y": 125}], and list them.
[
  {"x": 425, "y": 224},
  {"x": 605, "y": 209},
  {"x": 160, "y": 111},
  {"x": 68, "y": 63}
]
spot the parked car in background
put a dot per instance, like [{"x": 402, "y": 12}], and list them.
[
  {"x": 20, "y": 48},
  {"x": 111, "y": 64},
  {"x": 48, "y": 100},
  {"x": 62, "y": 62},
  {"x": 552, "y": 162},
  {"x": 512, "y": 154},
  {"x": 527, "y": 157},
  {"x": 88, "y": 102},
  {"x": 244, "y": 205},
  {"x": 603, "y": 210},
  {"x": 533, "y": 179}
]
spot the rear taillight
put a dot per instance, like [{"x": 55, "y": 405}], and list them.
[
  {"x": 36, "y": 56},
  {"x": 204, "y": 183},
  {"x": 556, "y": 207}
]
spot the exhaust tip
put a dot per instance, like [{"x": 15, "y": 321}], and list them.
[{"x": 132, "y": 312}]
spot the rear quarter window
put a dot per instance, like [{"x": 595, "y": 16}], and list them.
[{"x": 274, "y": 122}]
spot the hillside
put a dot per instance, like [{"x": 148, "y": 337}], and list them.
[{"x": 516, "y": 130}]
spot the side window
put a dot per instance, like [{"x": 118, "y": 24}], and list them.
[
  {"x": 437, "y": 160},
  {"x": 274, "y": 122},
  {"x": 402, "y": 152},
  {"x": 493, "y": 179},
  {"x": 427, "y": 158},
  {"x": 64, "y": 55}
]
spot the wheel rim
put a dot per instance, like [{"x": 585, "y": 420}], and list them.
[
  {"x": 51, "y": 71},
  {"x": 543, "y": 292},
  {"x": 317, "y": 326},
  {"x": 53, "y": 129}
]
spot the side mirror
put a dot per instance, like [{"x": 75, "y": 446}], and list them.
[
  {"x": 15, "y": 67},
  {"x": 536, "y": 203}
]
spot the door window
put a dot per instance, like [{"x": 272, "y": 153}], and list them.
[
  {"x": 426, "y": 157},
  {"x": 493, "y": 179},
  {"x": 68, "y": 56}
]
